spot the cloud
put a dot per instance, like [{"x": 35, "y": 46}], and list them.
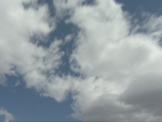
[
  {"x": 153, "y": 25},
  {"x": 149, "y": 92},
  {"x": 121, "y": 68},
  {"x": 23, "y": 56},
  {"x": 8, "y": 116},
  {"x": 17, "y": 26}
]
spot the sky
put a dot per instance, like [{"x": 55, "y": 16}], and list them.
[{"x": 80, "y": 60}]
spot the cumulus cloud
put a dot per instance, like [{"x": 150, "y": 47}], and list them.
[
  {"x": 21, "y": 56},
  {"x": 121, "y": 68},
  {"x": 17, "y": 25},
  {"x": 148, "y": 95},
  {"x": 8, "y": 116}
]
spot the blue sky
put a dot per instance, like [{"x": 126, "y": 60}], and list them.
[{"x": 80, "y": 60}]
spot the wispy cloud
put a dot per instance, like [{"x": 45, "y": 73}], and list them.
[
  {"x": 8, "y": 116},
  {"x": 23, "y": 56}
]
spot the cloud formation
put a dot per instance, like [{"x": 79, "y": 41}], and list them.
[
  {"x": 120, "y": 69},
  {"x": 21, "y": 55},
  {"x": 8, "y": 116}
]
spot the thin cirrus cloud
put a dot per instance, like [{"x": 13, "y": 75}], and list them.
[{"x": 120, "y": 69}]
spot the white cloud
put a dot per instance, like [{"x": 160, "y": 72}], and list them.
[
  {"x": 8, "y": 116},
  {"x": 68, "y": 38},
  {"x": 17, "y": 25},
  {"x": 110, "y": 58},
  {"x": 20, "y": 55},
  {"x": 114, "y": 63},
  {"x": 153, "y": 25}
]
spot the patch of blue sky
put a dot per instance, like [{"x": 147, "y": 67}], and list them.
[{"x": 28, "y": 105}]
